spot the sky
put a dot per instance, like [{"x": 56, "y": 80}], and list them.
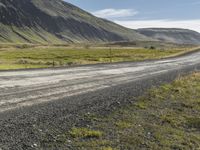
[{"x": 146, "y": 13}]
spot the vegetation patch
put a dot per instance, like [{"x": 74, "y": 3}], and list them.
[
  {"x": 194, "y": 123},
  {"x": 123, "y": 124},
  {"x": 85, "y": 133},
  {"x": 35, "y": 56}
]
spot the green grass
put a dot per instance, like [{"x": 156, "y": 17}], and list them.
[
  {"x": 85, "y": 133},
  {"x": 28, "y": 56},
  {"x": 10, "y": 34}
]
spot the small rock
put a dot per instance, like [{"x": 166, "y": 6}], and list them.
[
  {"x": 69, "y": 141},
  {"x": 34, "y": 145},
  {"x": 40, "y": 130}
]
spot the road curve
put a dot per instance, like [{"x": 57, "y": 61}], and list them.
[
  {"x": 27, "y": 88},
  {"x": 35, "y": 102}
]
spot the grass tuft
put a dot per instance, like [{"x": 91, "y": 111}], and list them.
[
  {"x": 123, "y": 124},
  {"x": 85, "y": 133},
  {"x": 194, "y": 123}
]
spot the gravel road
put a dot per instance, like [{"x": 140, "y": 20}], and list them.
[{"x": 56, "y": 97}]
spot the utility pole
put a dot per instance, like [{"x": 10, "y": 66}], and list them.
[
  {"x": 110, "y": 55},
  {"x": 53, "y": 63}
]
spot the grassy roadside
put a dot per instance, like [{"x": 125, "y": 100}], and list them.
[
  {"x": 166, "y": 118},
  {"x": 19, "y": 57}
]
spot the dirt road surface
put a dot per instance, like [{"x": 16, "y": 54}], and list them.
[{"x": 52, "y": 97}]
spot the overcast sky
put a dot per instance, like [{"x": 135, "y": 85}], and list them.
[{"x": 146, "y": 13}]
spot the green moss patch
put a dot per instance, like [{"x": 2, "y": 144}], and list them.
[{"x": 85, "y": 133}]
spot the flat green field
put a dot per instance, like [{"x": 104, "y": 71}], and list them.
[{"x": 52, "y": 56}]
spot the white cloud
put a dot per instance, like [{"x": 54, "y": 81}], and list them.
[
  {"x": 187, "y": 24},
  {"x": 115, "y": 13}
]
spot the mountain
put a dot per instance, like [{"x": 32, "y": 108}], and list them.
[
  {"x": 55, "y": 21},
  {"x": 180, "y": 36}
]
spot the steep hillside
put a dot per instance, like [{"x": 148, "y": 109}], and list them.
[
  {"x": 181, "y": 36},
  {"x": 55, "y": 21}
]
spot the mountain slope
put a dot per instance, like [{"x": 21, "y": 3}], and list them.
[
  {"x": 55, "y": 21},
  {"x": 180, "y": 36}
]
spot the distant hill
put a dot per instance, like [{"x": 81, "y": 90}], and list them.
[
  {"x": 180, "y": 36},
  {"x": 55, "y": 21}
]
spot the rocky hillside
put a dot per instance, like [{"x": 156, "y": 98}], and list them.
[
  {"x": 180, "y": 36},
  {"x": 55, "y": 21}
]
